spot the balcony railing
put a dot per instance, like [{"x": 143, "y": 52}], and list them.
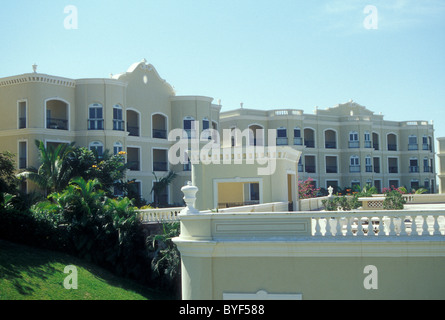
[
  {"x": 413, "y": 169},
  {"x": 354, "y": 144},
  {"x": 133, "y": 131},
  {"x": 392, "y": 169},
  {"x": 368, "y": 144},
  {"x": 22, "y": 122},
  {"x": 134, "y": 165},
  {"x": 330, "y": 145},
  {"x": 309, "y": 143},
  {"x": 160, "y": 166},
  {"x": 426, "y": 146},
  {"x": 392, "y": 147},
  {"x": 413, "y": 146},
  {"x": 354, "y": 169},
  {"x": 96, "y": 124},
  {"x": 427, "y": 169},
  {"x": 368, "y": 168},
  {"x": 310, "y": 169},
  {"x": 282, "y": 141},
  {"x": 22, "y": 162},
  {"x": 159, "y": 134},
  {"x": 298, "y": 141},
  {"x": 58, "y": 124},
  {"x": 118, "y": 125},
  {"x": 331, "y": 169}
]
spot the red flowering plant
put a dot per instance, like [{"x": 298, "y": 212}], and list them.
[{"x": 307, "y": 189}]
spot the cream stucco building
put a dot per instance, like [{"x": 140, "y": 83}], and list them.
[
  {"x": 347, "y": 145},
  {"x": 131, "y": 112},
  {"x": 135, "y": 111}
]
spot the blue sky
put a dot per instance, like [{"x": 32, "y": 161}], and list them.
[{"x": 266, "y": 54}]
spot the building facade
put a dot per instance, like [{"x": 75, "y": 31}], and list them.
[
  {"x": 135, "y": 111},
  {"x": 346, "y": 145},
  {"x": 132, "y": 112}
]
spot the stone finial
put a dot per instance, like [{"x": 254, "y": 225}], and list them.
[
  {"x": 189, "y": 197},
  {"x": 34, "y": 68}
]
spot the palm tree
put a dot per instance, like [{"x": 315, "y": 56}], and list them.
[
  {"x": 161, "y": 185},
  {"x": 54, "y": 174}
]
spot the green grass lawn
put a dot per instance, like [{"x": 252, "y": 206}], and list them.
[{"x": 34, "y": 274}]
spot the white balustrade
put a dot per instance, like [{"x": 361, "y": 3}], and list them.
[
  {"x": 160, "y": 215},
  {"x": 381, "y": 224}
]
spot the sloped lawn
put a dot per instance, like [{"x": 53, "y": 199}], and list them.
[{"x": 28, "y": 273}]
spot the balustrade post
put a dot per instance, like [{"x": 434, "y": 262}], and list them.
[{"x": 436, "y": 227}]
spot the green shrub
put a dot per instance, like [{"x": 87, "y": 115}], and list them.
[
  {"x": 341, "y": 203},
  {"x": 393, "y": 200}
]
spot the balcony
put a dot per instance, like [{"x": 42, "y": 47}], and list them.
[
  {"x": 331, "y": 169},
  {"x": 310, "y": 169},
  {"x": 58, "y": 124},
  {"x": 368, "y": 144},
  {"x": 330, "y": 145},
  {"x": 95, "y": 124},
  {"x": 412, "y": 147},
  {"x": 118, "y": 125},
  {"x": 354, "y": 144},
  {"x": 133, "y": 131},
  {"x": 160, "y": 166},
  {"x": 159, "y": 134},
  {"x": 298, "y": 141},
  {"x": 309, "y": 143},
  {"x": 368, "y": 168},
  {"x": 57, "y": 115},
  {"x": 22, "y": 122},
  {"x": 393, "y": 169},
  {"x": 427, "y": 169},
  {"x": 413, "y": 169},
  {"x": 392, "y": 147},
  {"x": 354, "y": 169},
  {"x": 282, "y": 141}
]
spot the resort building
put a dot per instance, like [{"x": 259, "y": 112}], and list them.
[
  {"x": 131, "y": 112},
  {"x": 134, "y": 112},
  {"x": 346, "y": 145}
]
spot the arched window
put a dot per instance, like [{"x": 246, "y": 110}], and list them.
[
  {"x": 354, "y": 164},
  {"x": 97, "y": 147},
  {"x": 95, "y": 117},
  {"x": 159, "y": 126},
  {"x": 282, "y": 136},
  {"x": 354, "y": 140},
  {"x": 118, "y": 120},
  {"x": 368, "y": 164},
  {"x": 298, "y": 141},
  {"x": 118, "y": 147},
  {"x": 391, "y": 142},
  {"x": 189, "y": 127},
  {"x": 309, "y": 138},
  {"x": 330, "y": 139}
]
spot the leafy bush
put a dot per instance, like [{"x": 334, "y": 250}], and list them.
[
  {"x": 393, "y": 200},
  {"x": 341, "y": 203}
]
